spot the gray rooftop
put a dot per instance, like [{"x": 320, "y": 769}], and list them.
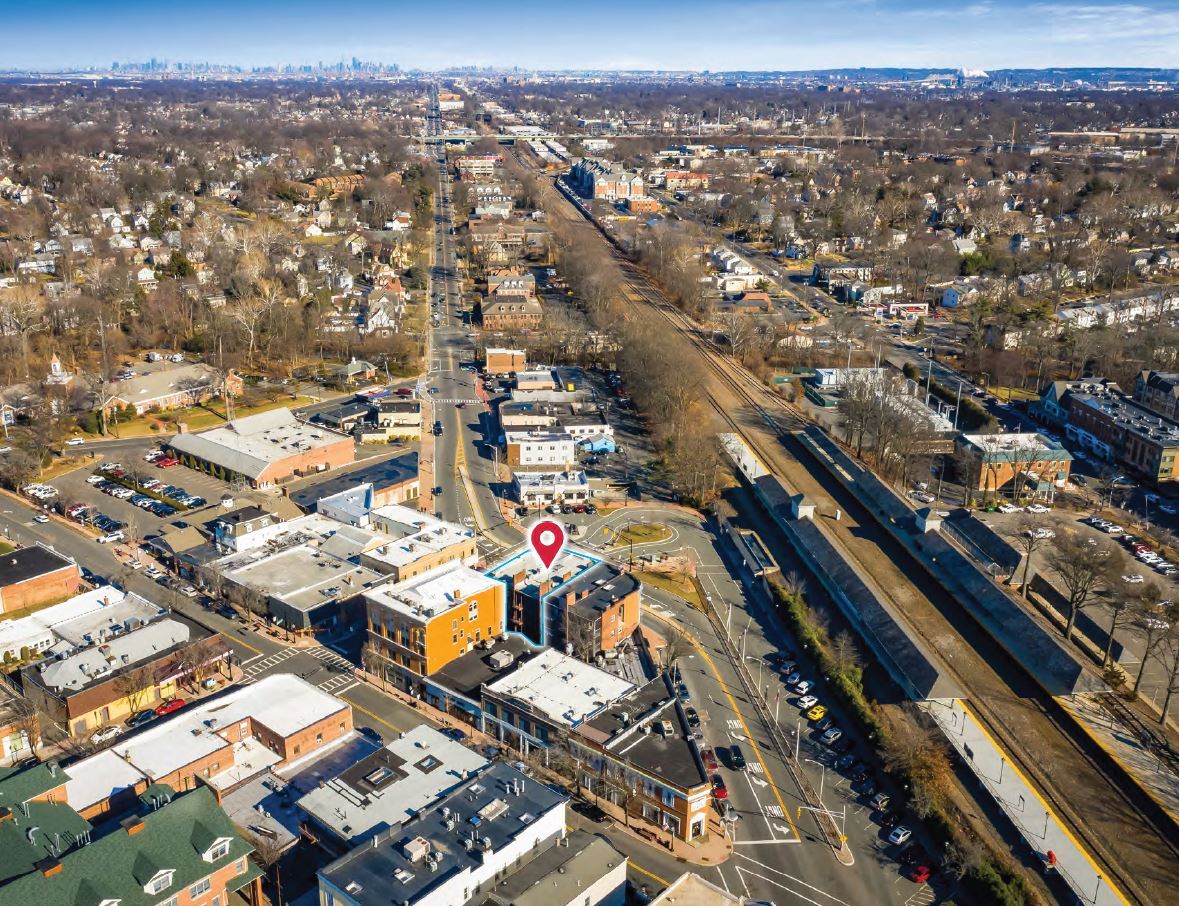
[
  {"x": 484, "y": 807},
  {"x": 381, "y": 475},
  {"x": 1131, "y": 417},
  {"x": 560, "y": 874},
  {"x": 465, "y": 675},
  {"x": 619, "y": 729},
  {"x": 600, "y": 586},
  {"x": 390, "y": 786}
]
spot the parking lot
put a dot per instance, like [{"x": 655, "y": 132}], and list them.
[{"x": 80, "y": 487}]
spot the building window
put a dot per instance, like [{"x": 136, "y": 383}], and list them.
[
  {"x": 160, "y": 882},
  {"x": 220, "y": 851},
  {"x": 200, "y": 887}
]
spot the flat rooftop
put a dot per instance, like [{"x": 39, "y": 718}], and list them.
[
  {"x": 388, "y": 473},
  {"x": 29, "y": 562},
  {"x": 102, "y": 660},
  {"x": 467, "y": 674},
  {"x": 281, "y": 702},
  {"x": 560, "y": 874},
  {"x": 570, "y": 562},
  {"x": 599, "y": 586},
  {"x": 303, "y": 576},
  {"x": 70, "y": 620},
  {"x": 498, "y": 805},
  {"x": 1131, "y": 417},
  {"x": 415, "y": 534},
  {"x": 391, "y": 785},
  {"x": 249, "y": 445},
  {"x": 567, "y": 691},
  {"x": 432, "y": 593},
  {"x": 619, "y": 729},
  {"x": 1015, "y": 443}
]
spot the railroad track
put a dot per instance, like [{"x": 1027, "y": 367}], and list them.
[
  {"x": 1110, "y": 812},
  {"x": 988, "y": 706}
]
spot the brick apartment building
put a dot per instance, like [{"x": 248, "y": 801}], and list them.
[
  {"x": 1138, "y": 439},
  {"x": 596, "y": 178},
  {"x": 422, "y": 624},
  {"x": 32, "y": 576},
  {"x": 506, "y": 312}
]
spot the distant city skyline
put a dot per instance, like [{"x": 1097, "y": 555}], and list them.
[{"x": 647, "y": 34}]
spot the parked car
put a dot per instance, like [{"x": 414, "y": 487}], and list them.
[
  {"x": 1038, "y": 508},
  {"x": 880, "y": 801},
  {"x": 104, "y": 734},
  {"x": 41, "y": 517},
  {"x": 736, "y": 758},
  {"x": 710, "y": 762},
  {"x": 817, "y": 712},
  {"x": 139, "y": 718},
  {"x": 919, "y": 874},
  {"x": 168, "y": 706},
  {"x": 719, "y": 790},
  {"x": 803, "y": 687},
  {"x": 371, "y": 734},
  {"x": 845, "y": 761},
  {"x": 1010, "y": 508},
  {"x": 807, "y": 702},
  {"x": 832, "y": 734},
  {"x": 889, "y": 820}
]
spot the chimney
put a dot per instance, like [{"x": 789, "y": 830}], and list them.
[
  {"x": 48, "y": 867},
  {"x": 132, "y": 825},
  {"x": 5, "y": 815}
]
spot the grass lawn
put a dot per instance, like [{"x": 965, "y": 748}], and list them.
[
  {"x": 63, "y": 465},
  {"x": 200, "y": 417},
  {"x": 6, "y": 548},
  {"x": 680, "y": 586},
  {"x": 642, "y": 533}
]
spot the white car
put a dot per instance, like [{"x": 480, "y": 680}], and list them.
[
  {"x": 75, "y": 442},
  {"x": 105, "y": 734},
  {"x": 1038, "y": 509},
  {"x": 807, "y": 702},
  {"x": 1134, "y": 579},
  {"x": 41, "y": 517},
  {"x": 899, "y": 835},
  {"x": 1010, "y": 508},
  {"x": 112, "y": 537},
  {"x": 803, "y": 687},
  {"x": 95, "y": 479}
]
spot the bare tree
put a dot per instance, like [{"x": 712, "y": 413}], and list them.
[
  {"x": 1030, "y": 535},
  {"x": 133, "y": 686},
  {"x": 1154, "y": 620},
  {"x": 22, "y": 313},
  {"x": 248, "y": 313},
  {"x": 1084, "y": 574},
  {"x": 1166, "y": 652}
]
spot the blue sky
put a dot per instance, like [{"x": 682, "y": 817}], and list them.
[{"x": 616, "y": 34}]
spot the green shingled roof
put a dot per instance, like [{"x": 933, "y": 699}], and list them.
[
  {"x": 19, "y": 785},
  {"x": 117, "y": 865},
  {"x": 18, "y": 854}
]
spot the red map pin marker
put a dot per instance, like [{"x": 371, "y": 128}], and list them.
[{"x": 546, "y": 538}]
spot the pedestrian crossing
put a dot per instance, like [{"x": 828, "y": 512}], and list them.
[
  {"x": 338, "y": 683},
  {"x": 258, "y": 667},
  {"x": 320, "y": 653}
]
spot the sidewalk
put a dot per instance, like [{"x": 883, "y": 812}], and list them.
[
  {"x": 1032, "y": 817},
  {"x": 1129, "y": 751},
  {"x": 712, "y": 851}
]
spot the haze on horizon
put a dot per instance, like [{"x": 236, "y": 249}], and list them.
[{"x": 648, "y": 34}]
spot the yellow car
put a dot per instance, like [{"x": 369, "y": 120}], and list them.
[{"x": 818, "y": 712}]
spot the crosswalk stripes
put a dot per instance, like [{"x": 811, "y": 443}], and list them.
[
  {"x": 269, "y": 661},
  {"x": 335, "y": 682},
  {"x": 328, "y": 656}
]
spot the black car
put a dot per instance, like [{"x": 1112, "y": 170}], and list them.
[
  {"x": 889, "y": 820},
  {"x": 860, "y": 773},
  {"x": 370, "y": 734},
  {"x": 824, "y": 724},
  {"x": 845, "y": 761},
  {"x": 139, "y": 718},
  {"x": 843, "y": 746},
  {"x": 693, "y": 717},
  {"x": 591, "y": 509},
  {"x": 913, "y": 855},
  {"x": 736, "y": 758},
  {"x": 455, "y": 733}
]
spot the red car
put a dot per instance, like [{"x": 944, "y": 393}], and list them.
[
  {"x": 719, "y": 790},
  {"x": 167, "y": 462},
  {"x": 710, "y": 761},
  {"x": 405, "y": 391},
  {"x": 919, "y": 874},
  {"x": 172, "y": 704}
]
